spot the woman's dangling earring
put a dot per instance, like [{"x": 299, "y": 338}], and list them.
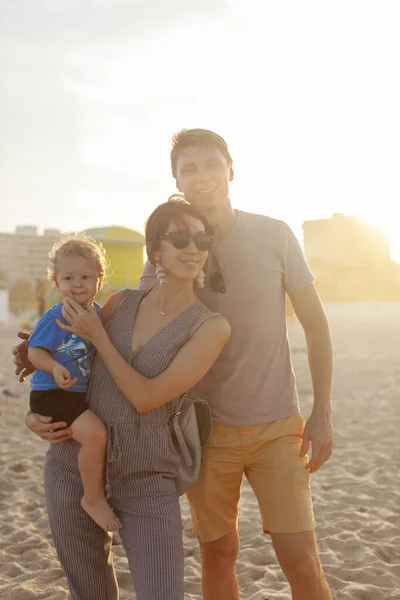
[
  {"x": 161, "y": 272},
  {"x": 200, "y": 279}
]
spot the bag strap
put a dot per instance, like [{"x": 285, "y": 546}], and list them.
[{"x": 181, "y": 440}]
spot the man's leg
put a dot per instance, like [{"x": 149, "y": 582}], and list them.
[
  {"x": 280, "y": 482},
  {"x": 83, "y": 548},
  {"x": 218, "y": 568},
  {"x": 297, "y": 554},
  {"x": 213, "y": 502}
]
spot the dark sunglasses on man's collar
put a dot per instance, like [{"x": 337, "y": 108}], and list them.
[
  {"x": 216, "y": 279},
  {"x": 217, "y": 283}
]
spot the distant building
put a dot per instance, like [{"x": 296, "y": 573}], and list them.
[
  {"x": 4, "y": 306},
  {"x": 351, "y": 260},
  {"x": 23, "y": 254},
  {"x": 345, "y": 240}
]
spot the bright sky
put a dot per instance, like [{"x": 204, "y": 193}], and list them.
[{"x": 307, "y": 94}]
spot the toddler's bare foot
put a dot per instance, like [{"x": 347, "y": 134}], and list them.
[{"x": 102, "y": 513}]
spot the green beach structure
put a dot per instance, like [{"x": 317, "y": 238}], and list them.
[{"x": 125, "y": 251}]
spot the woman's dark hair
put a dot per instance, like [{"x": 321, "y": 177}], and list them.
[{"x": 159, "y": 221}]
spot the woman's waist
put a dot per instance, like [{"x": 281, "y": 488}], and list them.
[
  {"x": 130, "y": 449},
  {"x": 134, "y": 420},
  {"x": 123, "y": 438},
  {"x": 116, "y": 411}
]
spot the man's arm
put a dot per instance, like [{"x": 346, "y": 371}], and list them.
[
  {"x": 310, "y": 312},
  {"x": 20, "y": 360}
]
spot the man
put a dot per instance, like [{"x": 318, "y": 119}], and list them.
[{"x": 251, "y": 388}]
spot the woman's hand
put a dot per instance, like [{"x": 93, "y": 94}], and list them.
[
  {"x": 83, "y": 321},
  {"x": 20, "y": 360},
  {"x": 55, "y": 433}
]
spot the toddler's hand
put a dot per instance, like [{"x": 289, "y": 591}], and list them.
[{"x": 62, "y": 377}]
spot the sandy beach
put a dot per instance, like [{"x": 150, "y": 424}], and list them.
[{"x": 356, "y": 494}]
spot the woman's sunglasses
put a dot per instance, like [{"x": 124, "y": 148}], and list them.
[{"x": 181, "y": 240}]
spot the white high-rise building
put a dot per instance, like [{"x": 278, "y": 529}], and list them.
[{"x": 24, "y": 254}]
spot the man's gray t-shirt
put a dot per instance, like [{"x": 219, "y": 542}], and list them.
[{"x": 252, "y": 381}]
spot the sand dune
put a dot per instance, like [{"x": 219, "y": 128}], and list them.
[{"x": 356, "y": 495}]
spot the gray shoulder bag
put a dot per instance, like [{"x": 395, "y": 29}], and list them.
[{"x": 191, "y": 428}]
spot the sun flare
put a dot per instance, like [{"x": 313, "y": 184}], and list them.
[{"x": 390, "y": 223}]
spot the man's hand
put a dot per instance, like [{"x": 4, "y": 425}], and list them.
[
  {"x": 20, "y": 360},
  {"x": 318, "y": 431},
  {"x": 55, "y": 433},
  {"x": 62, "y": 377}
]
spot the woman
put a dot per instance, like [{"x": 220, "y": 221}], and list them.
[{"x": 155, "y": 346}]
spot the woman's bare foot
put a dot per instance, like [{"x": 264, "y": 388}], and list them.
[{"x": 102, "y": 513}]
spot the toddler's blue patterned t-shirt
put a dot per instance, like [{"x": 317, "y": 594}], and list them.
[{"x": 67, "y": 349}]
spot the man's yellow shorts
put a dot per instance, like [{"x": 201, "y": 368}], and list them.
[{"x": 269, "y": 456}]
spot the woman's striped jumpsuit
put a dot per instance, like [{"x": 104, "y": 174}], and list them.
[{"x": 141, "y": 466}]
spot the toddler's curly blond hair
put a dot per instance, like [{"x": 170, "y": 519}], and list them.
[{"x": 79, "y": 245}]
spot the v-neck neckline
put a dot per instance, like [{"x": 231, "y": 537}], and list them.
[
  {"x": 230, "y": 233},
  {"x": 160, "y": 331}
]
